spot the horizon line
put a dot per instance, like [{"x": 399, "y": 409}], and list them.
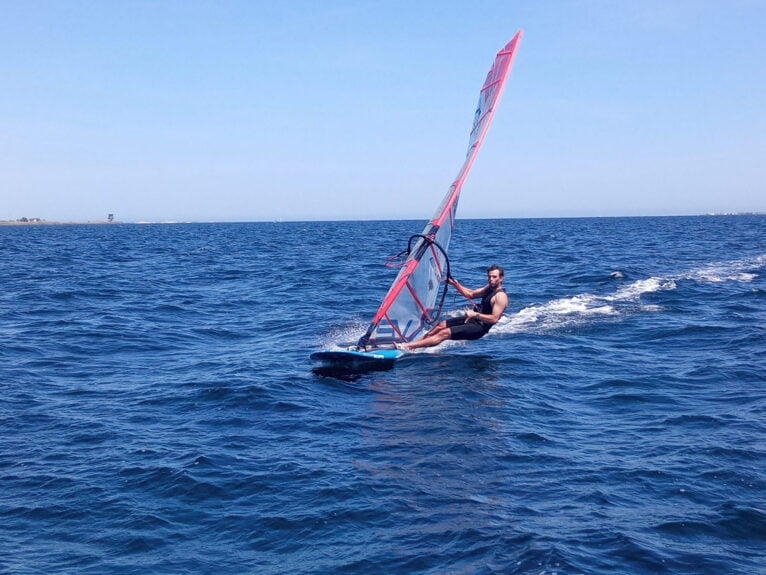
[{"x": 43, "y": 222}]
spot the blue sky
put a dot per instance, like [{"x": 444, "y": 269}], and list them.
[{"x": 360, "y": 109}]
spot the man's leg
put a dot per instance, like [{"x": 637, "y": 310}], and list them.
[
  {"x": 431, "y": 339},
  {"x": 435, "y": 329}
]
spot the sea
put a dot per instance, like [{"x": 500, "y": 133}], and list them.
[{"x": 160, "y": 414}]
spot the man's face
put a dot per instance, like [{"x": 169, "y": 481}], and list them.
[{"x": 494, "y": 278}]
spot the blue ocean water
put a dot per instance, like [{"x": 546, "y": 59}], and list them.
[{"x": 159, "y": 412}]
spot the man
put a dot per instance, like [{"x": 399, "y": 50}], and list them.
[{"x": 474, "y": 324}]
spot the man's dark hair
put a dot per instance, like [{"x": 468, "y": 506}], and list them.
[{"x": 494, "y": 267}]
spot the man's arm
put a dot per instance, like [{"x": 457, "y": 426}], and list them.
[{"x": 469, "y": 293}]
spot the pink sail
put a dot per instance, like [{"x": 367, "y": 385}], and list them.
[{"x": 414, "y": 301}]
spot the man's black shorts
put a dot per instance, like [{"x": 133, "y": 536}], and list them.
[{"x": 470, "y": 330}]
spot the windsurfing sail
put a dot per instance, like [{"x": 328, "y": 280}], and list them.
[{"x": 414, "y": 301}]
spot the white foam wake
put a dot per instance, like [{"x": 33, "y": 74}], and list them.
[
  {"x": 580, "y": 309},
  {"x": 585, "y": 308},
  {"x": 743, "y": 270}
]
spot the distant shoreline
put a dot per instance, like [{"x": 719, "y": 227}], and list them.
[{"x": 47, "y": 223}]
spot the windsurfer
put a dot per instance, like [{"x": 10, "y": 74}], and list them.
[{"x": 475, "y": 323}]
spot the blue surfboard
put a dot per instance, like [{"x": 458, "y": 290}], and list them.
[{"x": 368, "y": 360}]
